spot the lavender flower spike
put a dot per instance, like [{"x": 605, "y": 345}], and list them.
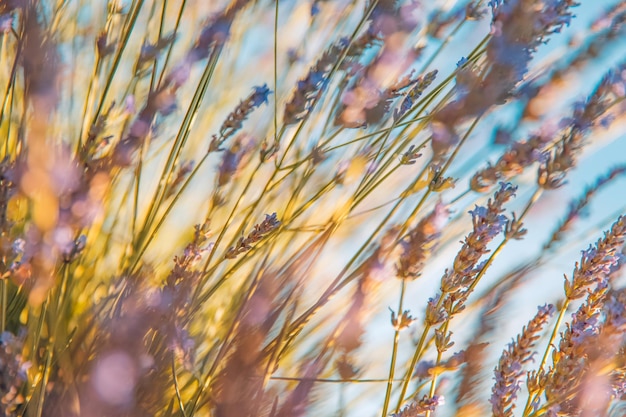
[
  {"x": 509, "y": 372},
  {"x": 234, "y": 121}
]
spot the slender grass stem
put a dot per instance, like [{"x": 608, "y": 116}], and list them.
[
  {"x": 161, "y": 30},
  {"x": 3, "y": 307},
  {"x": 179, "y": 398},
  {"x": 341, "y": 280},
  {"x": 181, "y": 137},
  {"x": 225, "y": 344},
  {"x": 276, "y": 72},
  {"x": 126, "y": 33},
  {"x": 44, "y": 382},
  {"x": 168, "y": 54},
  {"x": 164, "y": 216},
  {"x": 394, "y": 351}
]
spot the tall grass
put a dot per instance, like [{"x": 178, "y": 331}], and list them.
[{"x": 347, "y": 207}]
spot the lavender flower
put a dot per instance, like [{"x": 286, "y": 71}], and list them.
[
  {"x": 577, "y": 207},
  {"x": 587, "y": 114},
  {"x": 488, "y": 222},
  {"x": 182, "y": 173},
  {"x": 12, "y": 373},
  {"x": 95, "y": 188},
  {"x": 518, "y": 28},
  {"x": 260, "y": 230},
  {"x": 150, "y": 51},
  {"x": 235, "y": 119},
  {"x": 311, "y": 86},
  {"x": 418, "y": 88},
  {"x": 217, "y": 30},
  {"x": 570, "y": 360},
  {"x": 596, "y": 262},
  {"x": 420, "y": 242},
  {"x": 232, "y": 159},
  {"x": 509, "y": 371},
  {"x": 421, "y": 407}
]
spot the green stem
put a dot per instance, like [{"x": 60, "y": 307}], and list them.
[
  {"x": 3, "y": 301},
  {"x": 416, "y": 355},
  {"x": 394, "y": 351},
  {"x": 181, "y": 138},
  {"x": 433, "y": 381},
  {"x": 128, "y": 29}
]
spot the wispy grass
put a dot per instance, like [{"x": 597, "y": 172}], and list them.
[{"x": 257, "y": 208}]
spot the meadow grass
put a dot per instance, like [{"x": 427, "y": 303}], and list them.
[{"x": 322, "y": 207}]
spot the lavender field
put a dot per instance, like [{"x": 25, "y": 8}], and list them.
[{"x": 312, "y": 208}]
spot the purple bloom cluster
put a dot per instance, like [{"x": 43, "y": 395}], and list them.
[
  {"x": 420, "y": 242},
  {"x": 234, "y": 120},
  {"x": 418, "y": 88},
  {"x": 598, "y": 261},
  {"x": 488, "y": 222},
  {"x": 518, "y": 27},
  {"x": 310, "y": 87},
  {"x": 269, "y": 224},
  {"x": 510, "y": 369}
]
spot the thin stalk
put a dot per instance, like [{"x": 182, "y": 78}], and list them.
[
  {"x": 9, "y": 97},
  {"x": 394, "y": 352},
  {"x": 407, "y": 376},
  {"x": 181, "y": 137},
  {"x": 44, "y": 381},
  {"x": 159, "y": 36},
  {"x": 442, "y": 46},
  {"x": 118, "y": 56},
  {"x": 3, "y": 308},
  {"x": 420, "y": 346},
  {"x": 84, "y": 125},
  {"x": 169, "y": 208},
  {"x": 276, "y": 72},
  {"x": 137, "y": 185},
  {"x": 370, "y": 210},
  {"x": 433, "y": 381},
  {"x": 225, "y": 344},
  {"x": 181, "y": 405},
  {"x": 183, "y": 3},
  {"x": 367, "y": 191},
  {"x": 365, "y": 177},
  {"x": 336, "y": 381}
]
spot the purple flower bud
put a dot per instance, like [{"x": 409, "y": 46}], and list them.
[{"x": 260, "y": 94}]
